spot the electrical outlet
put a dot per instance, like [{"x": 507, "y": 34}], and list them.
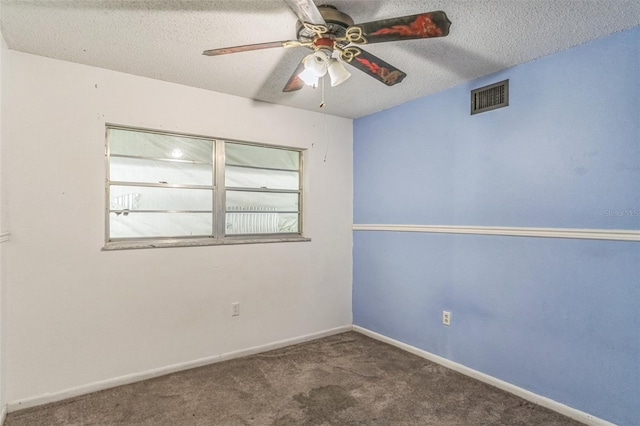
[
  {"x": 235, "y": 309},
  {"x": 446, "y": 317}
]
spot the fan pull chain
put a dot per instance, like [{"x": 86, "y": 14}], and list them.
[{"x": 322, "y": 101}]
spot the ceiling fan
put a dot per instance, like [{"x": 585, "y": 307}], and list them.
[{"x": 332, "y": 35}]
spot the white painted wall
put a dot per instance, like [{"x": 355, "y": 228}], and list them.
[{"x": 77, "y": 315}]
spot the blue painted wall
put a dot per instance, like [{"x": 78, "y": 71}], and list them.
[{"x": 559, "y": 317}]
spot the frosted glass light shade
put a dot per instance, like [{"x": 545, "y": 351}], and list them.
[
  {"x": 317, "y": 63},
  {"x": 309, "y": 78},
  {"x": 337, "y": 72}
]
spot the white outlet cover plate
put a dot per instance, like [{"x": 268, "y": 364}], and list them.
[{"x": 446, "y": 317}]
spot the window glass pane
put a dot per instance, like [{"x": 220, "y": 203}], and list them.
[
  {"x": 142, "y": 144},
  {"x": 261, "y": 201},
  {"x": 244, "y": 177},
  {"x": 259, "y": 156},
  {"x": 157, "y": 171},
  {"x": 140, "y": 225},
  {"x": 261, "y": 223},
  {"x": 146, "y": 198}
]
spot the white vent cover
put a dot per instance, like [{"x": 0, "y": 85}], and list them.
[{"x": 490, "y": 97}]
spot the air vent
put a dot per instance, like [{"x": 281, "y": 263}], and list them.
[{"x": 490, "y": 97}]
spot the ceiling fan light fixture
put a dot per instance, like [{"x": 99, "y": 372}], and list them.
[
  {"x": 309, "y": 77},
  {"x": 337, "y": 72}
]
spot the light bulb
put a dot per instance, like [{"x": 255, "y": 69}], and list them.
[{"x": 309, "y": 78}]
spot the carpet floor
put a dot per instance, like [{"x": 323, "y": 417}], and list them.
[{"x": 346, "y": 379}]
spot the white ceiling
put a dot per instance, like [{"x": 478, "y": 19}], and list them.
[{"x": 164, "y": 39}]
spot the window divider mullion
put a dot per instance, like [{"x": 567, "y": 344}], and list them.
[{"x": 265, "y": 190}]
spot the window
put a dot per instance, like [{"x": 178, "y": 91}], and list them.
[{"x": 178, "y": 190}]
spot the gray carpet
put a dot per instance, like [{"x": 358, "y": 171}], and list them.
[{"x": 347, "y": 379}]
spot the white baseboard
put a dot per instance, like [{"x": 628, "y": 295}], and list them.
[
  {"x": 136, "y": 377},
  {"x": 578, "y": 415},
  {"x": 3, "y": 415}
]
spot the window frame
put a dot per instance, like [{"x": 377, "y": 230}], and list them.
[{"x": 218, "y": 188}]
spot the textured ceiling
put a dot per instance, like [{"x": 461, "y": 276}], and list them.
[{"x": 164, "y": 39}]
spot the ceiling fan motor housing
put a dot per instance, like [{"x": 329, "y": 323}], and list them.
[{"x": 337, "y": 23}]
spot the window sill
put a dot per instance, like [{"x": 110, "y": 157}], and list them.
[{"x": 167, "y": 243}]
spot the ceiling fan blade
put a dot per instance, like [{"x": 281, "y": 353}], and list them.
[
  {"x": 295, "y": 82},
  {"x": 306, "y": 11},
  {"x": 376, "y": 67},
  {"x": 249, "y": 47},
  {"x": 423, "y": 25}
]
